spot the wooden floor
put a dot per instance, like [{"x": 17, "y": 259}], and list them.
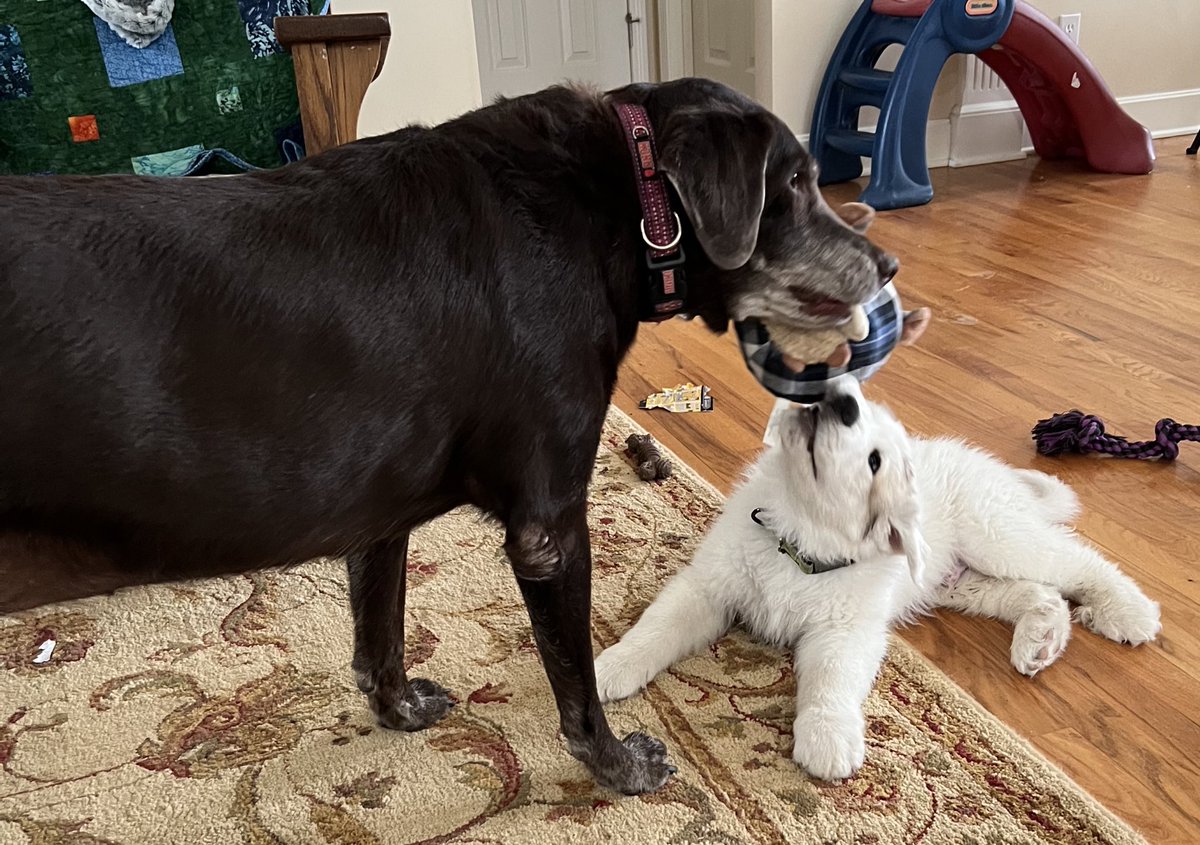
[{"x": 1052, "y": 288}]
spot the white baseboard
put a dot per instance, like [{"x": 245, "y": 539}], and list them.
[
  {"x": 937, "y": 142},
  {"x": 991, "y": 132},
  {"x": 986, "y": 132}
]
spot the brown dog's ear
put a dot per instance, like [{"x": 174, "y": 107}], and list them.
[{"x": 717, "y": 161}]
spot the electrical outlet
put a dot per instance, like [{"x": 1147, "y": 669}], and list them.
[{"x": 1070, "y": 25}]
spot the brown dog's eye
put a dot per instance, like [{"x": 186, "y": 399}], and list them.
[
  {"x": 794, "y": 182},
  {"x": 874, "y": 461}
]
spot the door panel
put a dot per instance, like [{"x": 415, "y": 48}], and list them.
[
  {"x": 723, "y": 42},
  {"x": 526, "y": 45}
]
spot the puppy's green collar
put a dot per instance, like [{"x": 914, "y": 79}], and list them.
[{"x": 808, "y": 565}]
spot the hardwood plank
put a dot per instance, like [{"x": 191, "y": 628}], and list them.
[{"x": 1053, "y": 287}]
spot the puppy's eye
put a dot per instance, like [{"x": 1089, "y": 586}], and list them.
[
  {"x": 873, "y": 461},
  {"x": 794, "y": 182}
]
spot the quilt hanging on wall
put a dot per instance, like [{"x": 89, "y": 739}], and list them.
[{"x": 77, "y": 95}]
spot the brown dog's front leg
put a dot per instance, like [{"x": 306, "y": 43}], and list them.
[
  {"x": 553, "y": 563},
  {"x": 377, "y": 579}
]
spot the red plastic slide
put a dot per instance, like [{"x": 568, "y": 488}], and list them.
[{"x": 1068, "y": 108}]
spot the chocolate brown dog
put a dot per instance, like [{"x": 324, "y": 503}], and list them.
[{"x": 214, "y": 375}]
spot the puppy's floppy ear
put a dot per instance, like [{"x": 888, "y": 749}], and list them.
[
  {"x": 905, "y": 526},
  {"x": 717, "y": 161},
  {"x": 906, "y": 539},
  {"x": 786, "y": 426}
]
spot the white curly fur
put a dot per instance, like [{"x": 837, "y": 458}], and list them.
[
  {"x": 939, "y": 524},
  {"x": 138, "y": 22}
]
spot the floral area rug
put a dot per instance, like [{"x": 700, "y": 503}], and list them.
[{"x": 224, "y": 711}]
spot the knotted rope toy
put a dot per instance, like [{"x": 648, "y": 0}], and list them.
[
  {"x": 651, "y": 465},
  {"x": 1081, "y": 433}
]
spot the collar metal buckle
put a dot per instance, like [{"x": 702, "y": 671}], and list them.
[
  {"x": 667, "y": 261},
  {"x": 663, "y": 247}
]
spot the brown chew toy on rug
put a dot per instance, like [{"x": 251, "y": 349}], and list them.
[
  {"x": 651, "y": 464},
  {"x": 814, "y": 346}
]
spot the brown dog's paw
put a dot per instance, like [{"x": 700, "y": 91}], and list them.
[
  {"x": 642, "y": 768},
  {"x": 421, "y": 704},
  {"x": 364, "y": 680}
]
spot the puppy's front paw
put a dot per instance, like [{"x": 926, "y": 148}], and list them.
[
  {"x": 1040, "y": 637},
  {"x": 618, "y": 674},
  {"x": 1124, "y": 617},
  {"x": 829, "y": 744}
]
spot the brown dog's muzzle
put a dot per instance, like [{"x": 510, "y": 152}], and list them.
[{"x": 859, "y": 216}]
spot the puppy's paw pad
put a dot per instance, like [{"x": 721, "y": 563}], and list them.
[
  {"x": 643, "y": 768},
  {"x": 419, "y": 705},
  {"x": 617, "y": 678},
  {"x": 1040, "y": 637},
  {"x": 1131, "y": 618},
  {"x": 829, "y": 744}
]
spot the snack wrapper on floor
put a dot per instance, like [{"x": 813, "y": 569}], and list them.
[{"x": 683, "y": 398}]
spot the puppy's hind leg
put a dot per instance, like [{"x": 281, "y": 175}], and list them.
[
  {"x": 682, "y": 620},
  {"x": 1022, "y": 547},
  {"x": 1109, "y": 602},
  {"x": 1056, "y": 501},
  {"x": 377, "y": 598},
  {"x": 1041, "y": 619}
]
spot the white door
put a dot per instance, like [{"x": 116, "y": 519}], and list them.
[
  {"x": 723, "y": 42},
  {"x": 526, "y": 45}
]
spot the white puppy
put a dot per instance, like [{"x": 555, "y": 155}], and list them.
[{"x": 893, "y": 526}]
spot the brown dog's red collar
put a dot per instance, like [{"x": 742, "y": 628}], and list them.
[{"x": 661, "y": 228}]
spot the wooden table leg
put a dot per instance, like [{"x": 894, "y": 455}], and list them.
[{"x": 336, "y": 57}]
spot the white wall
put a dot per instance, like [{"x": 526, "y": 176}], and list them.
[
  {"x": 431, "y": 72},
  {"x": 1140, "y": 47},
  {"x": 803, "y": 36}
]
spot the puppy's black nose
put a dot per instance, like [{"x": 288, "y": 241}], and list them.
[
  {"x": 888, "y": 265},
  {"x": 846, "y": 408}
]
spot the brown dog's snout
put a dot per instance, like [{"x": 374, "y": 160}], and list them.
[{"x": 859, "y": 216}]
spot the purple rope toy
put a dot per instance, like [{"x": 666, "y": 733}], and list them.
[{"x": 1078, "y": 432}]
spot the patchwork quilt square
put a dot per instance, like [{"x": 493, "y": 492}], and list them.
[
  {"x": 229, "y": 100},
  {"x": 167, "y": 163},
  {"x": 83, "y": 128},
  {"x": 259, "y": 16},
  {"x": 14, "y": 70},
  {"x": 129, "y": 65}
]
